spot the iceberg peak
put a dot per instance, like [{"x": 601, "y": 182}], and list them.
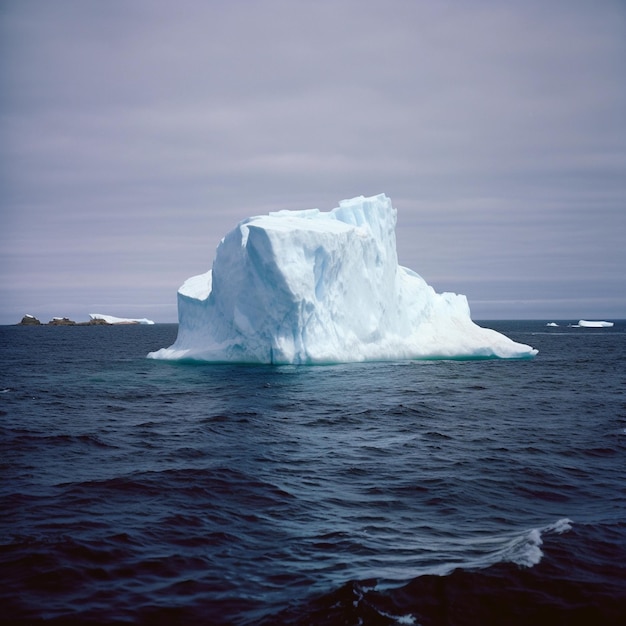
[{"x": 308, "y": 287}]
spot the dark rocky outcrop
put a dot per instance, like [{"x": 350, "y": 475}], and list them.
[
  {"x": 61, "y": 321},
  {"x": 96, "y": 322},
  {"x": 29, "y": 320}
]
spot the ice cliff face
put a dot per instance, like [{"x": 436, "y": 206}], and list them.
[{"x": 313, "y": 287}]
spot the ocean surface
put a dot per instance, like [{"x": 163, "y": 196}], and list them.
[{"x": 135, "y": 491}]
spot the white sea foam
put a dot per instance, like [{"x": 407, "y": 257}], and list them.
[
  {"x": 359, "y": 590},
  {"x": 526, "y": 549},
  {"x": 403, "y": 620},
  {"x": 562, "y": 526}
]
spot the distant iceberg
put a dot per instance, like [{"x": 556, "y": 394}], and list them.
[
  {"x": 553, "y": 324},
  {"x": 110, "y": 319},
  {"x": 594, "y": 324},
  {"x": 306, "y": 287}
]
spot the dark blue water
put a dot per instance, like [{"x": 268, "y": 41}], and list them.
[{"x": 436, "y": 492}]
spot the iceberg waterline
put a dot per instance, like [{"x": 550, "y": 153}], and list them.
[{"x": 306, "y": 287}]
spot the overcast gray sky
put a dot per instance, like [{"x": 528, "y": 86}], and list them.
[{"x": 134, "y": 135}]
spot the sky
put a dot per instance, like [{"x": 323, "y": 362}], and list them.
[{"x": 135, "y": 135}]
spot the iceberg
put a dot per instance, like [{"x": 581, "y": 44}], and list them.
[
  {"x": 313, "y": 287},
  {"x": 110, "y": 319},
  {"x": 594, "y": 324}
]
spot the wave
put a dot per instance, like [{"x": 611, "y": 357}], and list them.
[
  {"x": 522, "y": 549},
  {"x": 521, "y": 588},
  {"x": 478, "y": 551}
]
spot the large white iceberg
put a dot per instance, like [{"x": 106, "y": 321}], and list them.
[{"x": 323, "y": 287}]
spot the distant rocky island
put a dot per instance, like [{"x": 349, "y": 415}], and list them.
[
  {"x": 31, "y": 320},
  {"x": 95, "y": 319}
]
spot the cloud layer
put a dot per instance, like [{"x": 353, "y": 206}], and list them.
[{"x": 135, "y": 135}]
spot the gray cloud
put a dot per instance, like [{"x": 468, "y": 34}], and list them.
[{"x": 136, "y": 134}]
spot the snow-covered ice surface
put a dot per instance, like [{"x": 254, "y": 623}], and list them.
[
  {"x": 110, "y": 319},
  {"x": 307, "y": 287},
  {"x": 594, "y": 324}
]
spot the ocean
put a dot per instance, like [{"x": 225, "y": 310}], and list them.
[{"x": 135, "y": 491}]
